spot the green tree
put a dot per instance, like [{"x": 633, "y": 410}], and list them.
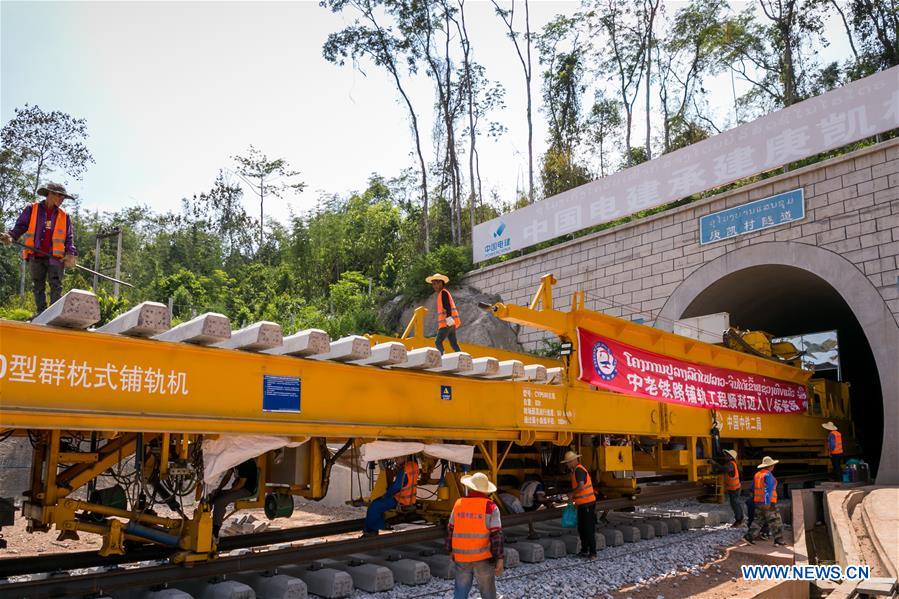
[
  {"x": 601, "y": 127},
  {"x": 522, "y": 45},
  {"x": 367, "y": 38},
  {"x": 41, "y": 143},
  {"x": 265, "y": 176}
]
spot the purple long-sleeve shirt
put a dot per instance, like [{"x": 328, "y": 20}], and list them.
[{"x": 22, "y": 225}]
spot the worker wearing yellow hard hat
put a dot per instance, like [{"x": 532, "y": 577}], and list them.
[{"x": 447, "y": 316}]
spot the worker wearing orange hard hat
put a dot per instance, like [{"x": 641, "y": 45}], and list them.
[
  {"x": 835, "y": 449},
  {"x": 447, "y": 315}
]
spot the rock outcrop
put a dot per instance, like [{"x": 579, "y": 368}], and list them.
[{"x": 479, "y": 326}]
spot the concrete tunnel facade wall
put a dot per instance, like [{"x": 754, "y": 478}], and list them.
[{"x": 655, "y": 267}]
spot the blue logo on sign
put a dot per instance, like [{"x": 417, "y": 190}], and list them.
[
  {"x": 605, "y": 364},
  {"x": 500, "y": 245},
  {"x": 446, "y": 392}
]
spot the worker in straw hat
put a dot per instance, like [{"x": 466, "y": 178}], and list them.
[
  {"x": 730, "y": 471},
  {"x": 835, "y": 449},
  {"x": 584, "y": 499},
  {"x": 474, "y": 538},
  {"x": 447, "y": 315},
  {"x": 764, "y": 490},
  {"x": 45, "y": 230}
]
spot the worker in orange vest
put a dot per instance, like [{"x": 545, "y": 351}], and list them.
[
  {"x": 447, "y": 316},
  {"x": 764, "y": 495},
  {"x": 730, "y": 472},
  {"x": 584, "y": 498},
  {"x": 835, "y": 450},
  {"x": 401, "y": 492},
  {"x": 46, "y": 231},
  {"x": 474, "y": 538}
]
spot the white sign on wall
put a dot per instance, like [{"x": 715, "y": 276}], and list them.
[{"x": 839, "y": 117}]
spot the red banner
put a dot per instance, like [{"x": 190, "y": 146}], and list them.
[{"x": 611, "y": 365}]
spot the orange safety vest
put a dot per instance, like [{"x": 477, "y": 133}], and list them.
[
  {"x": 758, "y": 488},
  {"x": 59, "y": 233},
  {"x": 471, "y": 537},
  {"x": 441, "y": 310},
  {"x": 407, "y": 495},
  {"x": 732, "y": 478},
  {"x": 837, "y": 443},
  {"x": 585, "y": 495}
]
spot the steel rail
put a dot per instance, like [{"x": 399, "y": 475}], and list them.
[{"x": 124, "y": 578}]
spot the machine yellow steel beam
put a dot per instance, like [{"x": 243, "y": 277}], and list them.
[{"x": 75, "y": 380}]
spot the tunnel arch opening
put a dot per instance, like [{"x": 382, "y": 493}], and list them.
[
  {"x": 785, "y": 287},
  {"x": 787, "y": 300}
]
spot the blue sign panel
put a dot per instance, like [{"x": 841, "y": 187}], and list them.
[
  {"x": 446, "y": 392},
  {"x": 280, "y": 393},
  {"x": 761, "y": 214}
]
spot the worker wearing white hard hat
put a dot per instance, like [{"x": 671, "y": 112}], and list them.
[
  {"x": 447, "y": 315},
  {"x": 584, "y": 498}
]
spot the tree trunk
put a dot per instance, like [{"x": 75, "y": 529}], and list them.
[{"x": 527, "y": 27}]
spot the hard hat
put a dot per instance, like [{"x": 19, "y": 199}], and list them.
[
  {"x": 766, "y": 462},
  {"x": 478, "y": 482},
  {"x": 570, "y": 456},
  {"x": 437, "y": 277},
  {"x": 732, "y": 453},
  {"x": 830, "y": 426}
]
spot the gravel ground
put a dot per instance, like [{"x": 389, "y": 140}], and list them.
[{"x": 570, "y": 578}]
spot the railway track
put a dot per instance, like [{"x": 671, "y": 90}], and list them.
[{"x": 115, "y": 578}]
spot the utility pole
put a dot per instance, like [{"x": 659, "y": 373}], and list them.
[{"x": 101, "y": 236}]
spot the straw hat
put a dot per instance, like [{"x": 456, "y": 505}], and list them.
[
  {"x": 766, "y": 462},
  {"x": 732, "y": 453},
  {"x": 437, "y": 277},
  {"x": 570, "y": 456},
  {"x": 478, "y": 482},
  {"x": 57, "y": 188},
  {"x": 830, "y": 426}
]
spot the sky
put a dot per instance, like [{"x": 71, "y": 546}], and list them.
[{"x": 172, "y": 90}]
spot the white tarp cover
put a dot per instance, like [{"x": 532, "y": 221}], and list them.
[
  {"x": 385, "y": 450},
  {"x": 227, "y": 451}
]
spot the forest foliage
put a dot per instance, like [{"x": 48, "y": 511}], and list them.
[{"x": 599, "y": 77}]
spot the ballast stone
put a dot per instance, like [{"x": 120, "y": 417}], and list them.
[
  {"x": 205, "y": 329},
  {"x": 256, "y": 337},
  {"x": 143, "y": 320},
  {"x": 77, "y": 309}
]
